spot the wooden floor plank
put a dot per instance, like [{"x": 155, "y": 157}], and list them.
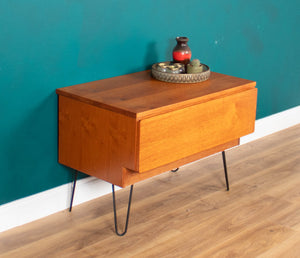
[
  {"x": 289, "y": 248},
  {"x": 188, "y": 213},
  {"x": 252, "y": 242}
]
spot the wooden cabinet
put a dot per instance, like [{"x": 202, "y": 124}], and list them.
[{"x": 129, "y": 128}]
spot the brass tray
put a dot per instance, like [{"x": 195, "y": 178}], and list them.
[{"x": 181, "y": 77}]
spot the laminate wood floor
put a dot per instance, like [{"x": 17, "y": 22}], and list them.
[{"x": 188, "y": 213}]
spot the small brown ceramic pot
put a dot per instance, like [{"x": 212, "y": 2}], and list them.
[{"x": 182, "y": 52}]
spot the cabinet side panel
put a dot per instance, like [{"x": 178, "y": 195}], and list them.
[
  {"x": 181, "y": 133},
  {"x": 95, "y": 141}
]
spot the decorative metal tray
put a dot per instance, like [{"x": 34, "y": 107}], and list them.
[{"x": 180, "y": 77}]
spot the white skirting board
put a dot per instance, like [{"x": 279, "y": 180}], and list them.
[
  {"x": 274, "y": 123},
  {"x": 42, "y": 204}
]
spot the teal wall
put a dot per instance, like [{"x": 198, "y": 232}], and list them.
[{"x": 45, "y": 45}]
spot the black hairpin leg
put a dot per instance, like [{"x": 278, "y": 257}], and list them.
[
  {"x": 225, "y": 169},
  {"x": 175, "y": 170},
  {"x": 115, "y": 212},
  {"x": 73, "y": 190}
]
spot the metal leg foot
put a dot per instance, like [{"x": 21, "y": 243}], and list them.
[
  {"x": 115, "y": 212},
  {"x": 225, "y": 169},
  {"x": 73, "y": 190}
]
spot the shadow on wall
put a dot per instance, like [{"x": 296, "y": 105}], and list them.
[
  {"x": 169, "y": 49},
  {"x": 151, "y": 56},
  {"x": 31, "y": 153}
]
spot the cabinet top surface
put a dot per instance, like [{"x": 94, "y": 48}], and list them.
[{"x": 139, "y": 95}]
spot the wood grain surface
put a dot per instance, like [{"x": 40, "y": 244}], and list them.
[
  {"x": 96, "y": 141},
  {"x": 132, "y": 177},
  {"x": 181, "y": 133},
  {"x": 186, "y": 214},
  {"x": 103, "y": 144},
  {"x": 113, "y": 128},
  {"x": 139, "y": 95}
]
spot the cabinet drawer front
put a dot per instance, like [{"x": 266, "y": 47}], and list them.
[{"x": 181, "y": 133}]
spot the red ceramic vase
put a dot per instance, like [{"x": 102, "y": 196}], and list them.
[{"x": 182, "y": 52}]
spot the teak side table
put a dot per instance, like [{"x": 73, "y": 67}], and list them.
[{"x": 132, "y": 127}]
